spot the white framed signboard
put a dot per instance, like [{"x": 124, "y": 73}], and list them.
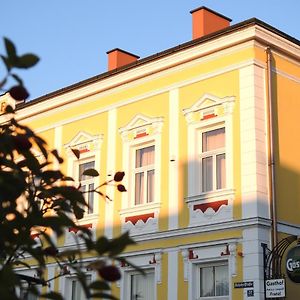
[{"x": 275, "y": 288}]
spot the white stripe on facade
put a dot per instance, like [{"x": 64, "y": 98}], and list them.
[
  {"x": 254, "y": 183},
  {"x": 111, "y": 166},
  {"x": 173, "y": 158},
  {"x": 173, "y": 275},
  {"x": 254, "y": 175}
]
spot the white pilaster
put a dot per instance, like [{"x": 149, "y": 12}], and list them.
[
  {"x": 254, "y": 182},
  {"x": 173, "y": 274},
  {"x": 253, "y": 259},
  {"x": 111, "y": 165},
  {"x": 173, "y": 157}
]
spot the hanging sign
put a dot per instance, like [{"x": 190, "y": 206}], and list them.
[
  {"x": 275, "y": 288},
  {"x": 293, "y": 264}
]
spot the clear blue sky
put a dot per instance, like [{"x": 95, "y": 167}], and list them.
[{"x": 72, "y": 36}]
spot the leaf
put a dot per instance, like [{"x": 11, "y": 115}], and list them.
[
  {"x": 119, "y": 176},
  {"x": 6, "y": 62},
  {"x": 56, "y": 155},
  {"x": 52, "y": 295},
  {"x": 26, "y": 61},
  {"x": 2, "y": 83},
  {"x": 76, "y": 152},
  {"x": 17, "y": 79},
  {"x": 10, "y": 48},
  {"x": 91, "y": 172},
  {"x": 104, "y": 296},
  {"x": 99, "y": 285}
]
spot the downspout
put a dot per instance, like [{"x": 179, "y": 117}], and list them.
[{"x": 271, "y": 159}]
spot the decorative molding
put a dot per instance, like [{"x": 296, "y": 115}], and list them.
[
  {"x": 141, "y": 224},
  {"x": 144, "y": 218},
  {"x": 215, "y": 205},
  {"x": 84, "y": 142},
  {"x": 141, "y": 126}
]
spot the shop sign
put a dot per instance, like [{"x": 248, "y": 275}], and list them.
[
  {"x": 275, "y": 288},
  {"x": 243, "y": 285},
  {"x": 293, "y": 264}
]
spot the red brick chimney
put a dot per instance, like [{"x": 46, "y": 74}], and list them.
[
  {"x": 206, "y": 21},
  {"x": 118, "y": 58}
]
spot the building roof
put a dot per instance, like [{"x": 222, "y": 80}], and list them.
[{"x": 189, "y": 44}]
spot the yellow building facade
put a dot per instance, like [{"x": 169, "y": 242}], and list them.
[{"x": 208, "y": 178}]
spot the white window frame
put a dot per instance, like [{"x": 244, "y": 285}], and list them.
[
  {"x": 127, "y": 282},
  {"x": 213, "y": 153},
  {"x": 153, "y": 128},
  {"x": 86, "y": 182},
  {"x": 196, "y": 279},
  {"x": 144, "y": 169},
  {"x": 91, "y": 143},
  {"x": 197, "y": 125},
  {"x": 66, "y": 283}
]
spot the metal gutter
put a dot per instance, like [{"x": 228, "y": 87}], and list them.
[{"x": 271, "y": 158}]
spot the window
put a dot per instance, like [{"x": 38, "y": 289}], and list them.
[
  {"x": 144, "y": 173},
  {"x": 142, "y": 286},
  {"x": 75, "y": 290},
  {"x": 213, "y": 160},
  {"x": 27, "y": 295},
  {"x": 87, "y": 184},
  {"x": 212, "y": 281}
]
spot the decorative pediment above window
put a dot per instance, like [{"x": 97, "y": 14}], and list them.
[
  {"x": 84, "y": 142},
  {"x": 209, "y": 106},
  {"x": 141, "y": 126}
]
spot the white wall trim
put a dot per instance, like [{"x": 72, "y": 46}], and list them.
[
  {"x": 202, "y": 77},
  {"x": 288, "y": 228},
  {"x": 111, "y": 169},
  {"x": 173, "y": 157},
  {"x": 173, "y": 275}
]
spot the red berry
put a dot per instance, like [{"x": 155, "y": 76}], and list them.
[
  {"x": 121, "y": 188},
  {"x": 109, "y": 273},
  {"x": 19, "y": 93}
]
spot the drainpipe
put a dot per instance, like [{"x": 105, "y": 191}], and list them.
[{"x": 271, "y": 159}]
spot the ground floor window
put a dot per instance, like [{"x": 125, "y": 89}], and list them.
[
  {"x": 75, "y": 290},
  {"x": 212, "y": 280},
  {"x": 141, "y": 287}
]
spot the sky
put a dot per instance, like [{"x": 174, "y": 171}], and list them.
[{"x": 71, "y": 37}]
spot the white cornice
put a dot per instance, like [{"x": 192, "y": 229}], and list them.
[
  {"x": 164, "y": 63},
  {"x": 209, "y": 228},
  {"x": 140, "y": 97}
]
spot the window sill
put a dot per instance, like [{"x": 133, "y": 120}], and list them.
[
  {"x": 140, "y": 209},
  {"x": 210, "y": 195},
  {"x": 89, "y": 218}
]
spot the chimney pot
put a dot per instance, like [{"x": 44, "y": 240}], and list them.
[
  {"x": 206, "y": 21},
  {"x": 118, "y": 58}
]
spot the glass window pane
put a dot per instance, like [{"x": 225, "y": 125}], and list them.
[
  {"x": 150, "y": 186},
  {"x": 77, "y": 290},
  {"x": 83, "y": 167},
  {"x": 139, "y": 188},
  {"x": 207, "y": 174},
  {"x": 90, "y": 201},
  {"x": 142, "y": 286},
  {"x": 207, "y": 282},
  {"x": 222, "y": 281},
  {"x": 221, "y": 171},
  {"x": 214, "y": 139},
  {"x": 144, "y": 157}
]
